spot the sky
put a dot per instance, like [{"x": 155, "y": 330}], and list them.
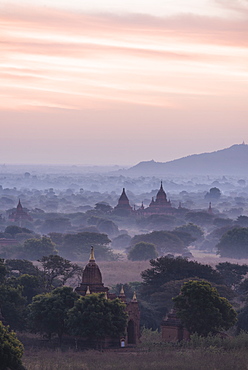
[{"x": 119, "y": 82}]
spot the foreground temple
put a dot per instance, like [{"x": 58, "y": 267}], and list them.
[{"x": 92, "y": 283}]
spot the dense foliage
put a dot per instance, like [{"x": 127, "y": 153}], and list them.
[
  {"x": 202, "y": 310},
  {"x": 142, "y": 251},
  {"x": 234, "y": 243},
  {"x": 48, "y": 312},
  {"x": 11, "y": 350},
  {"x": 164, "y": 241},
  {"x": 96, "y": 317}
]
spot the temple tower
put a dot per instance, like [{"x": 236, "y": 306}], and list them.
[
  {"x": 123, "y": 207},
  {"x": 92, "y": 278}
]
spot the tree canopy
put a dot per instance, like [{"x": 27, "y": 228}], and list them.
[
  {"x": 213, "y": 194},
  {"x": 168, "y": 268},
  {"x": 96, "y": 317},
  {"x": 34, "y": 249},
  {"x": 163, "y": 240},
  {"x": 202, "y": 310},
  {"x": 48, "y": 312},
  {"x": 234, "y": 243},
  {"x": 59, "y": 269},
  {"x": 142, "y": 251},
  {"x": 11, "y": 350},
  {"x": 195, "y": 231},
  {"x": 232, "y": 273},
  {"x": 77, "y": 246}
]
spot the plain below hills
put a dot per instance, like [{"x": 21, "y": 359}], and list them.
[{"x": 229, "y": 161}]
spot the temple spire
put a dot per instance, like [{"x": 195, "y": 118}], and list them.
[
  {"x": 122, "y": 295},
  {"x": 134, "y": 297},
  {"x": 88, "y": 290},
  {"x": 19, "y": 205},
  {"x": 92, "y": 256}
]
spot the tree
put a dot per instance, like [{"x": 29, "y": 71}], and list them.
[
  {"x": 213, "y": 194},
  {"x": 232, "y": 273},
  {"x": 108, "y": 227},
  {"x": 202, "y": 310},
  {"x": 242, "y": 221},
  {"x": 199, "y": 218},
  {"x": 56, "y": 224},
  {"x": 166, "y": 268},
  {"x": 94, "y": 317},
  {"x": 142, "y": 252},
  {"x": 186, "y": 238},
  {"x": 121, "y": 241},
  {"x": 21, "y": 267},
  {"x": 157, "y": 222},
  {"x": 163, "y": 240},
  {"x": 242, "y": 323},
  {"x": 37, "y": 248},
  {"x": 194, "y": 230},
  {"x": 77, "y": 246},
  {"x": 11, "y": 350},
  {"x": 13, "y": 230},
  {"x": 59, "y": 268},
  {"x": 30, "y": 285},
  {"x": 3, "y": 271},
  {"x": 234, "y": 243},
  {"x": 48, "y": 312},
  {"x": 12, "y": 305},
  {"x": 103, "y": 207}
]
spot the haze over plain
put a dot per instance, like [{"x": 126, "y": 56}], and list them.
[{"x": 121, "y": 82}]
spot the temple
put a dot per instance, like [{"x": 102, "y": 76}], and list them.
[
  {"x": 19, "y": 214},
  {"x": 92, "y": 283},
  {"x": 172, "y": 329},
  {"x": 123, "y": 207},
  {"x": 159, "y": 205}
]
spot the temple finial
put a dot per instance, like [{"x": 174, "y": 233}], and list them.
[
  {"x": 134, "y": 297},
  {"x": 122, "y": 291},
  {"x": 92, "y": 256},
  {"x": 88, "y": 290}
]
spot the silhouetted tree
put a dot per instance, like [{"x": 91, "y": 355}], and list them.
[
  {"x": 142, "y": 252},
  {"x": 234, "y": 243},
  {"x": 11, "y": 350},
  {"x": 202, "y": 310}
]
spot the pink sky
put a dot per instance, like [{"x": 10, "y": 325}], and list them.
[{"x": 97, "y": 85}]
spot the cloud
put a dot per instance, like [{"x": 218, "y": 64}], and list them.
[
  {"x": 72, "y": 60},
  {"x": 237, "y": 6}
]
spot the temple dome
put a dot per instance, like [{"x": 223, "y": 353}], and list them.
[{"x": 92, "y": 278}]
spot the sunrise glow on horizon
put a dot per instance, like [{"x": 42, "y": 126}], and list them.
[{"x": 118, "y": 83}]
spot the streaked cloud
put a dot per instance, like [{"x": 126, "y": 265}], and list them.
[
  {"x": 139, "y": 59},
  {"x": 78, "y": 75}
]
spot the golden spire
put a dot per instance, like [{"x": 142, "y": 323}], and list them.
[
  {"x": 88, "y": 290},
  {"x": 92, "y": 256},
  {"x": 122, "y": 291},
  {"x": 134, "y": 297}
]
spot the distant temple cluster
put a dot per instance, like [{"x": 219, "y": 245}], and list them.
[{"x": 159, "y": 205}]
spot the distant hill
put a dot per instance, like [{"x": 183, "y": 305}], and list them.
[{"x": 229, "y": 161}]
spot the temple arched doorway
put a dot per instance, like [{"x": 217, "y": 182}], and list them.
[{"x": 131, "y": 339}]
